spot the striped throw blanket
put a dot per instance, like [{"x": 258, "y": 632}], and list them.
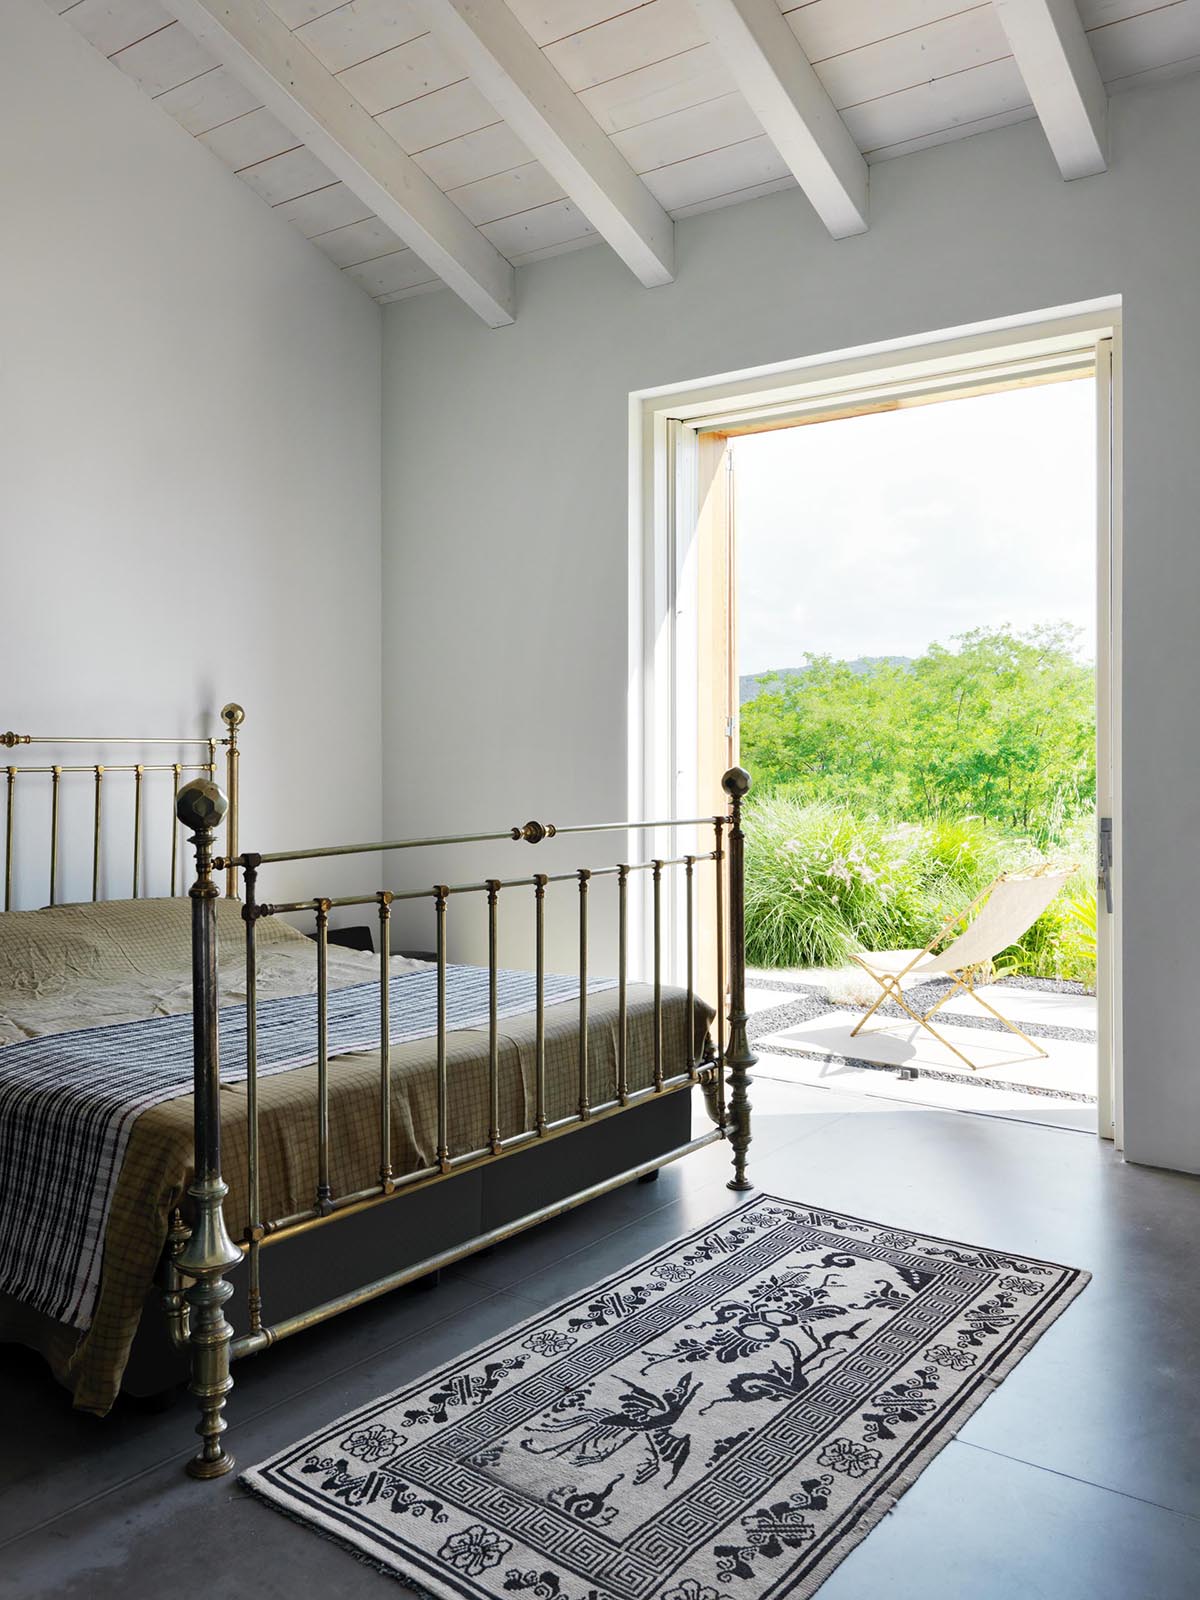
[{"x": 68, "y": 1102}]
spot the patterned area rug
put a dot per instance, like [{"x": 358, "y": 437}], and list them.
[{"x": 724, "y": 1420}]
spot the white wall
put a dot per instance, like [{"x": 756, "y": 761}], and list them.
[
  {"x": 506, "y": 494},
  {"x": 189, "y": 448}
]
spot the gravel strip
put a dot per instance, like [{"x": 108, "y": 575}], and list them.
[
  {"x": 1049, "y": 985},
  {"x": 812, "y": 1000}
]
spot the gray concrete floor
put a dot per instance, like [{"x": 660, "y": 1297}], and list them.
[{"x": 1079, "y": 1477}]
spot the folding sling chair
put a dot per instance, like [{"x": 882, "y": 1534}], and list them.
[{"x": 1010, "y": 906}]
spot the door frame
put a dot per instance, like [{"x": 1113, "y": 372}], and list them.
[{"x": 666, "y": 425}]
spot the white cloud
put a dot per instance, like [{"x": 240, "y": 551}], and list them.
[{"x": 877, "y": 535}]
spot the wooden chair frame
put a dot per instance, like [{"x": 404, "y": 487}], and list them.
[{"x": 964, "y": 980}]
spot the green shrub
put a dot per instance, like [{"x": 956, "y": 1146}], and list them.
[{"x": 822, "y": 883}]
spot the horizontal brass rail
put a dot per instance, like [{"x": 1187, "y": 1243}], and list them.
[
  {"x": 275, "y": 907},
  {"x": 12, "y": 739},
  {"x": 250, "y": 1344},
  {"x": 139, "y": 766},
  {"x": 514, "y": 835}
]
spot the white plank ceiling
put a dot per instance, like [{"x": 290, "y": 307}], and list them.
[{"x": 903, "y": 74}]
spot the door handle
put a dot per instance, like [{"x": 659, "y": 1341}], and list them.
[{"x": 1105, "y": 862}]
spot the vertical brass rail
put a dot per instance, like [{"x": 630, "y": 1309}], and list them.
[
  {"x": 99, "y": 770},
  {"x": 585, "y": 1108},
  {"x": 622, "y": 985},
  {"x": 658, "y": 1035},
  {"x": 719, "y": 869},
  {"x": 539, "y": 900},
  {"x": 232, "y": 716},
  {"x": 386, "y": 1175},
  {"x": 8, "y": 839},
  {"x": 689, "y": 872},
  {"x": 176, "y": 769},
  {"x": 324, "y": 1191},
  {"x": 493, "y": 894},
  {"x": 736, "y": 784},
  {"x": 55, "y": 780},
  {"x": 209, "y": 1252},
  {"x": 255, "y": 1230},
  {"x": 138, "y": 774},
  {"x": 443, "y": 1140}
]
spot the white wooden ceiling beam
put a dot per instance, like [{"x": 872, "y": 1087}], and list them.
[
  {"x": 1052, "y": 52},
  {"x": 513, "y": 75},
  {"x": 251, "y": 41},
  {"x": 769, "y": 66}
]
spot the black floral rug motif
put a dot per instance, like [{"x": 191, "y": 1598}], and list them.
[{"x": 723, "y": 1420}]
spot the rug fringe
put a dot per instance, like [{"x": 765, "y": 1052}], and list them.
[{"x": 258, "y": 1491}]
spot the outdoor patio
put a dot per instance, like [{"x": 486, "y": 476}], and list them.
[{"x": 800, "y": 1028}]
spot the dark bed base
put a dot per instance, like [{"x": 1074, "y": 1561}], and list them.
[{"x": 324, "y": 1262}]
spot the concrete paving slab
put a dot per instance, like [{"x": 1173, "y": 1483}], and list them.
[
  {"x": 1069, "y": 1066},
  {"x": 875, "y": 1086}
]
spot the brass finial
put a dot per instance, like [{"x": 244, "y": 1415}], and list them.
[
  {"x": 232, "y": 715},
  {"x": 11, "y": 739},
  {"x": 200, "y": 805},
  {"x": 736, "y": 783},
  {"x": 535, "y": 832}
]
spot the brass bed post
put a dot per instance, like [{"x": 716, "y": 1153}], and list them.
[
  {"x": 736, "y": 784},
  {"x": 209, "y": 1252},
  {"x": 232, "y": 715}
]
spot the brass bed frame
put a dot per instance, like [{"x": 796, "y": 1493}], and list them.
[
  {"x": 232, "y": 715},
  {"x": 196, "y": 1287}
]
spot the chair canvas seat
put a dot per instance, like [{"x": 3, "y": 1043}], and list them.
[
  {"x": 899, "y": 962},
  {"x": 1010, "y": 907}
]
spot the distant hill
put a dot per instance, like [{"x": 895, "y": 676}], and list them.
[{"x": 752, "y": 684}]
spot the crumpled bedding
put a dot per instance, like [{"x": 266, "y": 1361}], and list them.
[{"x": 89, "y": 965}]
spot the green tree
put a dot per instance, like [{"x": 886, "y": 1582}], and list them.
[
  {"x": 999, "y": 724},
  {"x": 1008, "y": 728},
  {"x": 832, "y": 732}
]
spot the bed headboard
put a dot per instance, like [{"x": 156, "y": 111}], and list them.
[{"x": 55, "y": 779}]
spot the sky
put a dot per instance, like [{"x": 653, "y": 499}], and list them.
[{"x": 878, "y": 535}]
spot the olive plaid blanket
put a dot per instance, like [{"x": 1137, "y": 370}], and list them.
[{"x": 68, "y": 1102}]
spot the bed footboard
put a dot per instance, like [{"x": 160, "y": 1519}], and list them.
[{"x": 197, "y": 1288}]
